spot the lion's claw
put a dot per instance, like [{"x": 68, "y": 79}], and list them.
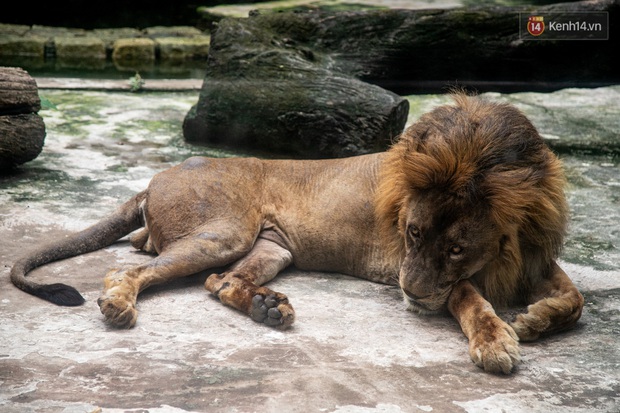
[
  {"x": 272, "y": 310},
  {"x": 117, "y": 311},
  {"x": 496, "y": 351}
]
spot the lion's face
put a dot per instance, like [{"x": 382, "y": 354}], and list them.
[{"x": 447, "y": 240}]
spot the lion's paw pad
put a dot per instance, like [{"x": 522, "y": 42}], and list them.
[
  {"x": 272, "y": 310},
  {"x": 117, "y": 311}
]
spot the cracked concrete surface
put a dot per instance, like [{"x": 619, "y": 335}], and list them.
[{"x": 353, "y": 348}]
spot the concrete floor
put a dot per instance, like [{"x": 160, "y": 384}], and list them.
[{"x": 188, "y": 353}]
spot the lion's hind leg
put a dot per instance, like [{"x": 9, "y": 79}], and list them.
[
  {"x": 240, "y": 286},
  {"x": 184, "y": 257},
  {"x": 141, "y": 240},
  {"x": 556, "y": 306}
]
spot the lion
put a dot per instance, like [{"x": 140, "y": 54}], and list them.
[{"x": 465, "y": 212}]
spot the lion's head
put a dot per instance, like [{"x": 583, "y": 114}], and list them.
[{"x": 471, "y": 191}]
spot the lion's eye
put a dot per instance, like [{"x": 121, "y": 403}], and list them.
[
  {"x": 414, "y": 231},
  {"x": 456, "y": 249}
]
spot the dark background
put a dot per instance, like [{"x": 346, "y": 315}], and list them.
[
  {"x": 142, "y": 13},
  {"x": 108, "y": 13}
]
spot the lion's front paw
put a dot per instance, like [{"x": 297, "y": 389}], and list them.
[
  {"x": 117, "y": 310},
  {"x": 529, "y": 326},
  {"x": 547, "y": 316},
  {"x": 495, "y": 348},
  {"x": 273, "y": 310}
]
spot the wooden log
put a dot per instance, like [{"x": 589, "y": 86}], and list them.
[
  {"x": 22, "y": 130},
  {"x": 21, "y": 139},
  {"x": 18, "y": 92}
]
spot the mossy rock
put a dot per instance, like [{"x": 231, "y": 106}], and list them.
[
  {"x": 134, "y": 50},
  {"x": 265, "y": 90},
  {"x": 297, "y": 82}
]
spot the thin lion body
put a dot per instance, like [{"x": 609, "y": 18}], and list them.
[{"x": 465, "y": 212}]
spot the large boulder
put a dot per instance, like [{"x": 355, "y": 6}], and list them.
[
  {"x": 307, "y": 83},
  {"x": 22, "y": 130},
  {"x": 266, "y": 88}
]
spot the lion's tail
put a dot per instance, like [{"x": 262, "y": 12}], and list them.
[{"x": 124, "y": 220}]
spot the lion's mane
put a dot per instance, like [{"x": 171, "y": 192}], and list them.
[{"x": 491, "y": 154}]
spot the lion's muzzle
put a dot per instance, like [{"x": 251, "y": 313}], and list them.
[{"x": 425, "y": 305}]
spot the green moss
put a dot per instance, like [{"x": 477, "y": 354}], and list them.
[
  {"x": 75, "y": 128},
  {"x": 117, "y": 168},
  {"x": 69, "y": 99}
]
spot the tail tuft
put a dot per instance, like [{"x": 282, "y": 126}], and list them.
[
  {"x": 124, "y": 220},
  {"x": 60, "y": 294}
]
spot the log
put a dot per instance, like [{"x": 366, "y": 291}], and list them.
[
  {"x": 22, "y": 130},
  {"x": 18, "y": 92},
  {"x": 21, "y": 139}
]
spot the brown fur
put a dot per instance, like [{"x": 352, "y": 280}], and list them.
[
  {"x": 468, "y": 159},
  {"x": 464, "y": 212}
]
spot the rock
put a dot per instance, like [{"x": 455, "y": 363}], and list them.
[
  {"x": 22, "y": 46},
  {"x": 80, "y": 52},
  {"x": 265, "y": 89},
  {"x": 172, "y": 31},
  {"x": 294, "y": 82},
  {"x": 183, "y": 48},
  {"x": 135, "y": 54},
  {"x": 22, "y": 130},
  {"x": 83, "y": 47},
  {"x": 109, "y": 36},
  {"x": 583, "y": 120},
  {"x": 402, "y": 50},
  {"x": 56, "y": 48},
  {"x": 134, "y": 49},
  {"x": 319, "y": 117}
]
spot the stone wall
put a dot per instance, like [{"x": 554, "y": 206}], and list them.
[{"x": 125, "y": 48}]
